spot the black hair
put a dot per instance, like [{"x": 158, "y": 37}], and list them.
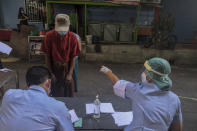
[
  {"x": 19, "y": 11},
  {"x": 37, "y": 75}
]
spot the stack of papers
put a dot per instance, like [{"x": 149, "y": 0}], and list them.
[
  {"x": 5, "y": 48},
  {"x": 74, "y": 116},
  {"x": 120, "y": 118},
  {"x": 90, "y": 108},
  {"x": 5, "y": 70},
  {"x": 107, "y": 108},
  {"x": 104, "y": 108},
  {"x": 123, "y": 118}
]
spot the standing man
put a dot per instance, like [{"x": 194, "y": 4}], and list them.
[
  {"x": 61, "y": 48},
  {"x": 33, "y": 109},
  {"x": 154, "y": 106}
]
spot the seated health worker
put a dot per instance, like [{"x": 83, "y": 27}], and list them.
[
  {"x": 33, "y": 109},
  {"x": 154, "y": 106}
]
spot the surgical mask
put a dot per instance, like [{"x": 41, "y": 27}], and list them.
[
  {"x": 143, "y": 78},
  {"x": 62, "y": 33}
]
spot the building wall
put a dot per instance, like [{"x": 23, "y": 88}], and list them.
[
  {"x": 185, "y": 15},
  {"x": 101, "y": 13},
  {"x": 183, "y": 10},
  {"x": 1, "y": 15},
  {"x": 111, "y": 14},
  {"x": 9, "y": 12},
  {"x": 137, "y": 54}
]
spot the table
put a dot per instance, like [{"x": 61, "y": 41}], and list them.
[
  {"x": 5, "y": 77},
  {"x": 106, "y": 121}
]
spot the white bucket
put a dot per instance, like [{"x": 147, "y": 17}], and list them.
[{"x": 89, "y": 39}]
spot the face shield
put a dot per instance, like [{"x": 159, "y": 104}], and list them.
[
  {"x": 157, "y": 70},
  {"x": 149, "y": 68},
  {"x": 139, "y": 77}
]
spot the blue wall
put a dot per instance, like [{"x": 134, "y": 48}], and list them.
[
  {"x": 1, "y": 15},
  {"x": 185, "y": 12},
  {"x": 9, "y": 10}
]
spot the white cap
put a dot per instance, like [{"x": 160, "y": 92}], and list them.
[{"x": 62, "y": 22}]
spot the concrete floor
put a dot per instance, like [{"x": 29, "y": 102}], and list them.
[{"x": 92, "y": 82}]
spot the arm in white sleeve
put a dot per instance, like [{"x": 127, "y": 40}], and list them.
[
  {"x": 120, "y": 88},
  {"x": 125, "y": 89}
]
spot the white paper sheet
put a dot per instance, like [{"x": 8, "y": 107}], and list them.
[
  {"x": 5, "y": 70},
  {"x": 90, "y": 108},
  {"x": 106, "y": 108},
  {"x": 123, "y": 118},
  {"x": 74, "y": 116},
  {"x": 5, "y": 48}
]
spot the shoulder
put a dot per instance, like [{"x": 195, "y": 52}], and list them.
[
  {"x": 173, "y": 96},
  {"x": 73, "y": 35},
  {"x": 134, "y": 86},
  {"x": 51, "y": 32},
  {"x": 77, "y": 36},
  {"x": 174, "y": 99},
  {"x": 50, "y": 35},
  {"x": 121, "y": 84},
  {"x": 57, "y": 106},
  {"x": 11, "y": 93}
]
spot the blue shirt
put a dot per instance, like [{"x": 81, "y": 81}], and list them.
[
  {"x": 33, "y": 110},
  {"x": 78, "y": 37},
  {"x": 153, "y": 109}
]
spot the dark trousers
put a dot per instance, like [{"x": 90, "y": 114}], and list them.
[{"x": 61, "y": 87}]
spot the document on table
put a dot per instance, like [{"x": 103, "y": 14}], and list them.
[
  {"x": 104, "y": 108},
  {"x": 5, "y": 48},
  {"x": 107, "y": 108},
  {"x": 123, "y": 118},
  {"x": 74, "y": 116},
  {"x": 90, "y": 108},
  {"x": 5, "y": 70}
]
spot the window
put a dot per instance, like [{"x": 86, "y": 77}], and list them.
[{"x": 35, "y": 10}]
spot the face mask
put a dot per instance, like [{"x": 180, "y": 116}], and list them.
[
  {"x": 62, "y": 33},
  {"x": 143, "y": 78}
]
